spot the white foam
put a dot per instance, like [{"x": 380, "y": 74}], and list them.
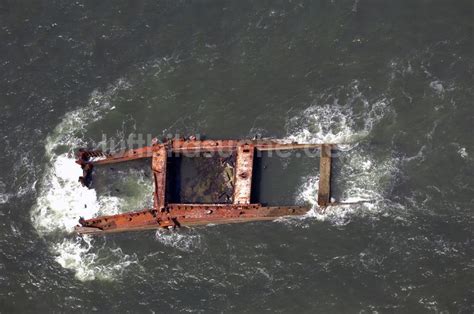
[
  {"x": 77, "y": 254},
  {"x": 335, "y": 123},
  {"x": 437, "y": 86},
  {"x": 364, "y": 178},
  {"x": 462, "y": 152},
  {"x": 4, "y": 198},
  {"x": 68, "y": 132},
  {"x": 184, "y": 240},
  {"x": 62, "y": 199},
  {"x": 308, "y": 190}
]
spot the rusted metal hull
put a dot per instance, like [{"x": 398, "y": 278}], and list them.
[
  {"x": 166, "y": 215},
  {"x": 177, "y": 215}
]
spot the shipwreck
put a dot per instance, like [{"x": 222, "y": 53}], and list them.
[{"x": 167, "y": 214}]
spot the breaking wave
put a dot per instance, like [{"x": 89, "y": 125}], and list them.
[
  {"x": 62, "y": 199},
  {"x": 345, "y": 118}
]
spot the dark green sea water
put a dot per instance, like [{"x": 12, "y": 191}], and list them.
[{"x": 391, "y": 79}]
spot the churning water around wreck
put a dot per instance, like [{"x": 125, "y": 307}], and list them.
[{"x": 392, "y": 80}]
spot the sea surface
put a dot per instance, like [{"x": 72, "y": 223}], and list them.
[{"x": 391, "y": 81}]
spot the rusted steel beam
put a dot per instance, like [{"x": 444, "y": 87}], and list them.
[
  {"x": 243, "y": 174},
  {"x": 184, "y": 146},
  {"x": 196, "y": 146},
  {"x": 324, "y": 192},
  {"x": 158, "y": 166},
  {"x": 129, "y": 155},
  {"x": 186, "y": 215}
]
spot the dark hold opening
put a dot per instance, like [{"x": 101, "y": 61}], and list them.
[{"x": 204, "y": 179}]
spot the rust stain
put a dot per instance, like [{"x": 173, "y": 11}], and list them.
[
  {"x": 158, "y": 165},
  {"x": 175, "y": 215},
  {"x": 243, "y": 174},
  {"x": 324, "y": 192}
]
